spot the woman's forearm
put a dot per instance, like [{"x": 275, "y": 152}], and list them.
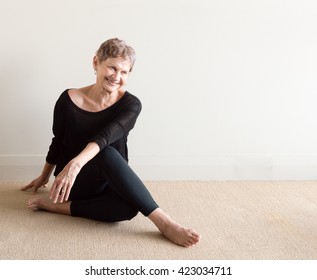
[
  {"x": 90, "y": 151},
  {"x": 47, "y": 170}
]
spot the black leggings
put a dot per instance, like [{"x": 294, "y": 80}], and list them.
[{"x": 108, "y": 190}]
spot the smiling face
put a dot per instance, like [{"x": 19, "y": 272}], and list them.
[{"x": 112, "y": 73}]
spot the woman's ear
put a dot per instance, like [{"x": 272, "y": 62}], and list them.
[{"x": 95, "y": 63}]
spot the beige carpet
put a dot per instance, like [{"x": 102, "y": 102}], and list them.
[{"x": 238, "y": 221}]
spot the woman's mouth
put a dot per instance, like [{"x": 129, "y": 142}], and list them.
[{"x": 112, "y": 83}]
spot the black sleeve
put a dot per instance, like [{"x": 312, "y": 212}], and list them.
[
  {"x": 120, "y": 126},
  {"x": 58, "y": 132}
]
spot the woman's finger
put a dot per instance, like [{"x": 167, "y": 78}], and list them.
[
  {"x": 63, "y": 193},
  {"x": 67, "y": 193},
  {"x": 27, "y": 186},
  {"x": 58, "y": 193},
  {"x": 55, "y": 190}
]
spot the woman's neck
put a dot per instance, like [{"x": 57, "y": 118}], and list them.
[{"x": 102, "y": 97}]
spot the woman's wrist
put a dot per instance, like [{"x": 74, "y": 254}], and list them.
[
  {"x": 47, "y": 170},
  {"x": 76, "y": 164}
]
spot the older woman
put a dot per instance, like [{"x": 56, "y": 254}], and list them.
[{"x": 89, "y": 151}]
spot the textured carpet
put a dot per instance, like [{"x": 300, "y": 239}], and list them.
[{"x": 237, "y": 220}]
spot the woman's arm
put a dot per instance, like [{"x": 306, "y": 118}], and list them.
[
  {"x": 120, "y": 126},
  {"x": 59, "y": 121},
  {"x": 64, "y": 181},
  {"x": 53, "y": 153}
]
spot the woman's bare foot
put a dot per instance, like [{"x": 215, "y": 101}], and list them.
[
  {"x": 34, "y": 203},
  {"x": 37, "y": 203},
  {"x": 173, "y": 231}
]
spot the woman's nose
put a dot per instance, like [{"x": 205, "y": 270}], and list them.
[{"x": 116, "y": 75}]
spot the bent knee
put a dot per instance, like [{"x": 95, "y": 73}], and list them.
[
  {"x": 109, "y": 151},
  {"x": 110, "y": 155}
]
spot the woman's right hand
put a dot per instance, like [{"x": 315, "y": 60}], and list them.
[
  {"x": 42, "y": 180},
  {"x": 37, "y": 183}
]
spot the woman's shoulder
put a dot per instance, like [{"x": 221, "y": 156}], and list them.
[
  {"x": 129, "y": 97},
  {"x": 71, "y": 95},
  {"x": 131, "y": 102},
  {"x": 63, "y": 100}
]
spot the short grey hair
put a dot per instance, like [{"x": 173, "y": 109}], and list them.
[{"x": 116, "y": 48}]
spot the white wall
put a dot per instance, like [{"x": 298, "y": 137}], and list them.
[{"x": 228, "y": 87}]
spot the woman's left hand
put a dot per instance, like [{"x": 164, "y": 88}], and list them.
[{"x": 64, "y": 181}]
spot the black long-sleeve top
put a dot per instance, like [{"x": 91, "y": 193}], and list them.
[{"x": 74, "y": 128}]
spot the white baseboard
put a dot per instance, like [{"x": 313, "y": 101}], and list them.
[
  {"x": 242, "y": 167},
  {"x": 226, "y": 168},
  {"x": 20, "y": 167}
]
